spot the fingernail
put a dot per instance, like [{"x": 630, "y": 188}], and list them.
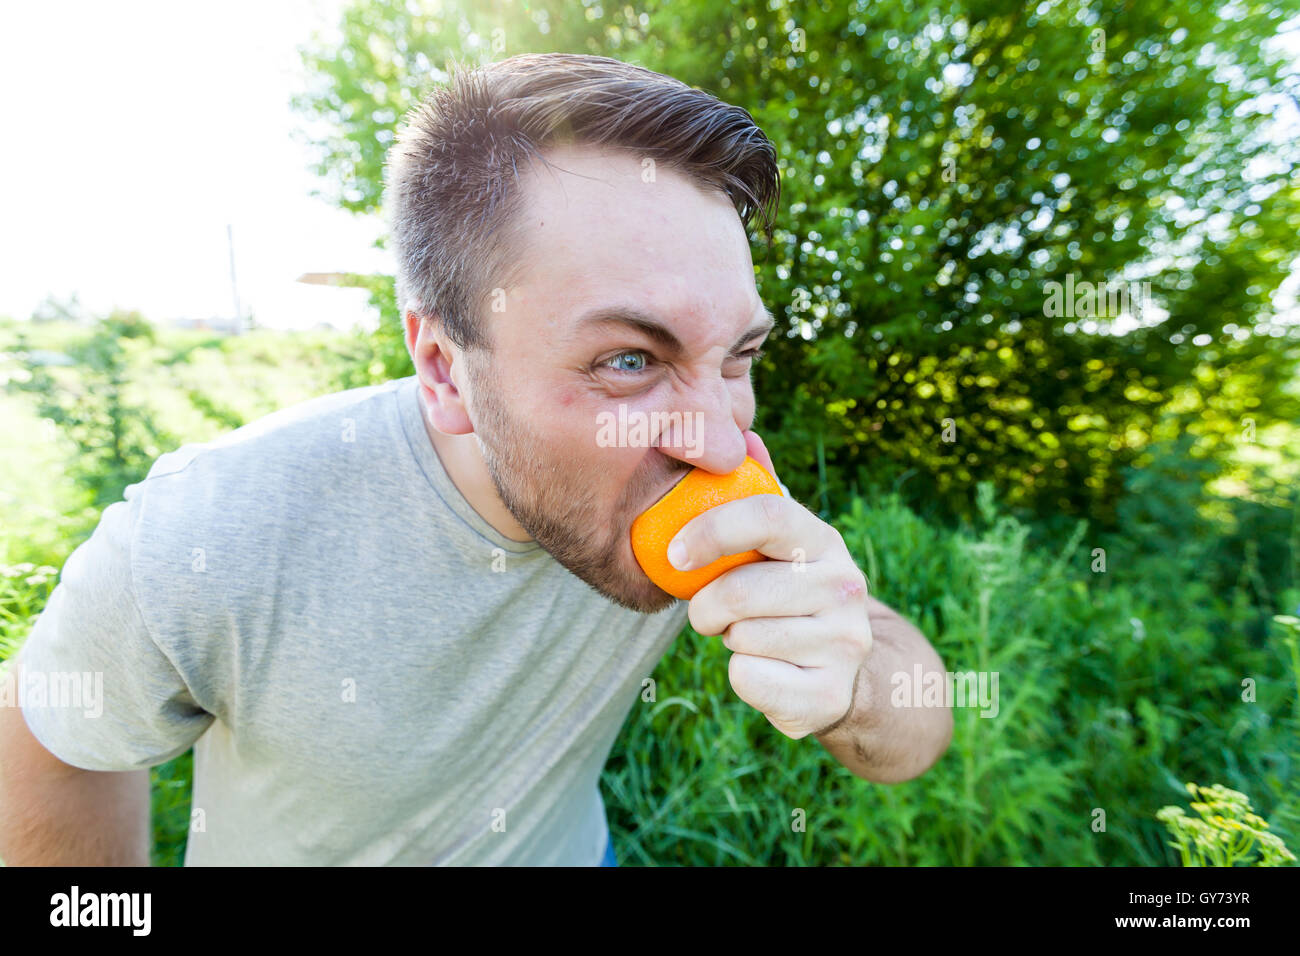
[{"x": 677, "y": 556}]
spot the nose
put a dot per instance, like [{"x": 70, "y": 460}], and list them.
[{"x": 701, "y": 430}]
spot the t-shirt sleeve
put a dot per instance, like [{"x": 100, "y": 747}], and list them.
[{"x": 96, "y": 689}]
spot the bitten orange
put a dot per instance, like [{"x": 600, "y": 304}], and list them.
[{"x": 695, "y": 494}]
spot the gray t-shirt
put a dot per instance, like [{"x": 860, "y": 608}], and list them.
[{"x": 368, "y": 672}]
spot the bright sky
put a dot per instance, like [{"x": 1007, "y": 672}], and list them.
[
  {"x": 135, "y": 131},
  {"x": 138, "y": 129}
]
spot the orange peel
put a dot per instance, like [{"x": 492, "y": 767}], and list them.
[{"x": 696, "y": 493}]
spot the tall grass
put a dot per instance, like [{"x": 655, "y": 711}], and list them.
[{"x": 1113, "y": 692}]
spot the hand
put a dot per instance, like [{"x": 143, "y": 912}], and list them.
[{"x": 797, "y": 624}]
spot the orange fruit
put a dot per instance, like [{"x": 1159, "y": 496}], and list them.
[{"x": 696, "y": 493}]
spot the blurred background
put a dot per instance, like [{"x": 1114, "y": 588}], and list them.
[{"x": 1036, "y": 272}]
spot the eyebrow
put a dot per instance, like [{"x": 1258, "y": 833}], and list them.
[{"x": 657, "y": 331}]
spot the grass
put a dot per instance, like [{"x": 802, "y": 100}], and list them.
[{"x": 1095, "y": 731}]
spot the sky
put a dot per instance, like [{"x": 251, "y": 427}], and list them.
[{"x": 144, "y": 128}]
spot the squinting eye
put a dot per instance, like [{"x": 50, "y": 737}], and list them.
[
  {"x": 634, "y": 360},
  {"x": 753, "y": 355},
  {"x": 617, "y": 361}
]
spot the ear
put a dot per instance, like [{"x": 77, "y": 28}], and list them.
[{"x": 440, "y": 367}]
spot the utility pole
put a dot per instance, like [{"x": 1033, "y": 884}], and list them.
[{"x": 234, "y": 288}]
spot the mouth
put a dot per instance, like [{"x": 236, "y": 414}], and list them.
[{"x": 676, "y": 481}]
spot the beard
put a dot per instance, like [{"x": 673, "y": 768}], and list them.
[{"x": 557, "y": 507}]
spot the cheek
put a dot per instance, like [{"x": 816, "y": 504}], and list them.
[
  {"x": 574, "y": 423},
  {"x": 742, "y": 400},
  {"x": 574, "y": 429},
  {"x": 557, "y": 414}
]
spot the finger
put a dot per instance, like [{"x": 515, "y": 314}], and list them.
[
  {"x": 760, "y": 589},
  {"x": 801, "y": 641},
  {"x": 777, "y": 688},
  {"x": 773, "y": 525}
]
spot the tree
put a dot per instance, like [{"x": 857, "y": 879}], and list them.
[
  {"x": 53, "y": 309},
  {"x": 945, "y": 170}
]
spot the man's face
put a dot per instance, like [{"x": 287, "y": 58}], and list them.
[{"x": 573, "y": 467}]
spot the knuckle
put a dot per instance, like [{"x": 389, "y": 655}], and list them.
[
  {"x": 740, "y": 676},
  {"x": 835, "y": 702},
  {"x": 758, "y": 683},
  {"x": 740, "y": 634},
  {"x": 853, "y": 586},
  {"x": 735, "y": 594},
  {"x": 698, "y": 618},
  {"x": 733, "y": 638},
  {"x": 704, "y": 543},
  {"x": 854, "y": 643},
  {"x": 769, "y": 508}
]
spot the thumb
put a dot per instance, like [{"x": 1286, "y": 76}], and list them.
[{"x": 756, "y": 450}]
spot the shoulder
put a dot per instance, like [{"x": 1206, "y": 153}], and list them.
[
  {"x": 221, "y": 507},
  {"x": 300, "y": 445},
  {"x": 282, "y": 438}
]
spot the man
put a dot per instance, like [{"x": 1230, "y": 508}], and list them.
[{"x": 403, "y": 624}]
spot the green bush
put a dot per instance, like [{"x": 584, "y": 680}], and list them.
[
  {"x": 24, "y": 590},
  {"x": 98, "y": 406},
  {"x": 941, "y": 165}
]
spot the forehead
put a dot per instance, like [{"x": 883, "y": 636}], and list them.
[{"x": 603, "y": 227}]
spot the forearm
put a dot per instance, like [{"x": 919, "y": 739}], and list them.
[
  {"x": 875, "y": 740},
  {"x": 53, "y": 814},
  {"x": 99, "y": 819}
]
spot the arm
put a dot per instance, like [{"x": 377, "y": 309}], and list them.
[
  {"x": 55, "y": 814},
  {"x": 810, "y": 647},
  {"x": 875, "y": 740}
]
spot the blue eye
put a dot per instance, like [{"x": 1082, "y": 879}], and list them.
[
  {"x": 621, "y": 366},
  {"x": 635, "y": 360}
]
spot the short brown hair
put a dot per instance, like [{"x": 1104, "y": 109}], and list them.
[{"x": 452, "y": 174}]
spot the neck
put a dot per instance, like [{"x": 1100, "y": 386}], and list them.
[{"x": 463, "y": 462}]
